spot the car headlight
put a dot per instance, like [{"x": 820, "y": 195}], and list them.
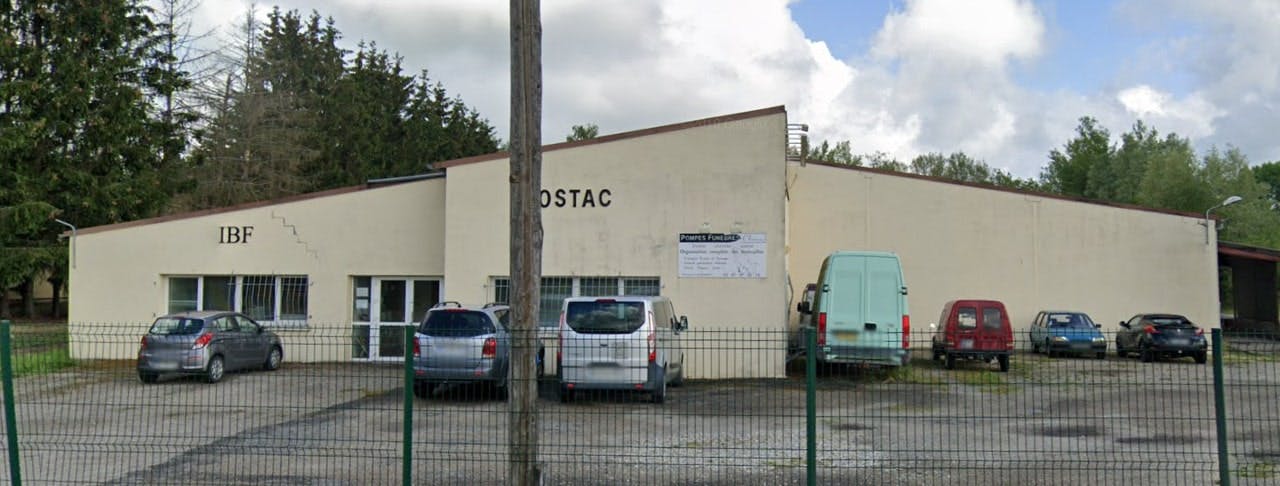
[
  {"x": 1059, "y": 339},
  {"x": 1099, "y": 339}
]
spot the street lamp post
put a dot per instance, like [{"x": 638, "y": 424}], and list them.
[{"x": 1227, "y": 202}]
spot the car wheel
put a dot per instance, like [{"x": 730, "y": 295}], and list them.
[
  {"x": 1147, "y": 355},
  {"x": 1035, "y": 347},
  {"x": 502, "y": 391},
  {"x": 660, "y": 395},
  {"x": 1004, "y": 363},
  {"x": 1049, "y": 350},
  {"x": 148, "y": 377},
  {"x": 214, "y": 371},
  {"x": 950, "y": 361},
  {"x": 679, "y": 379},
  {"x": 273, "y": 359},
  {"x": 1102, "y": 355},
  {"x": 422, "y": 389},
  {"x": 541, "y": 368},
  {"x": 1120, "y": 352},
  {"x": 566, "y": 395},
  {"x": 1201, "y": 358}
]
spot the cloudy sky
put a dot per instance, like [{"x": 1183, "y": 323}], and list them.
[{"x": 1004, "y": 81}]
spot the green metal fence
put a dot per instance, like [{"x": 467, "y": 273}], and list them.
[{"x": 78, "y": 414}]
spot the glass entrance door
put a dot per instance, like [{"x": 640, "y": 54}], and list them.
[{"x": 383, "y": 307}]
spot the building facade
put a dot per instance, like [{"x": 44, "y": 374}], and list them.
[{"x": 709, "y": 212}]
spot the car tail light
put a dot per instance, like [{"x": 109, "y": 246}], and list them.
[
  {"x": 906, "y": 331},
  {"x": 606, "y": 301},
  {"x": 653, "y": 342},
  {"x": 202, "y": 341},
  {"x": 144, "y": 343},
  {"x": 822, "y": 329},
  {"x": 490, "y": 348},
  {"x": 1150, "y": 330},
  {"x": 417, "y": 348},
  {"x": 1199, "y": 332}
]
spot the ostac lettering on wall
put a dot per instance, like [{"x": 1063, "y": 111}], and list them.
[
  {"x": 230, "y": 235},
  {"x": 577, "y": 198}
]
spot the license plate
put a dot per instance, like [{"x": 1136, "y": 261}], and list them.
[
  {"x": 1178, "y": 342},
  {"x": 966, "y": 344},
  {"x": 452, "y": 346},
  {"x": 845, "y": 335},
  {"x": 164, "y": 365}
]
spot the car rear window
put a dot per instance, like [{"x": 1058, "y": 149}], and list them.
[
  {"x": 967, "y": 317},
  {"x": 1169, "y": 321},
  {"x": 605, "y": 317},
  {"x": 992, "y": 318},
  {"x": 176, "y": 326},
  {"x": 453, "y": 323}
]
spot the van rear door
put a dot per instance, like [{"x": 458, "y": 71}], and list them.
[
  {"x": 865, "y": 307},
  {"x": 607, "y": 341},
  {"x": 991, "y": 332}
]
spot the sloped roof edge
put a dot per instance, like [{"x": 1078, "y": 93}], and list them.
[
  {"x": 975, "y": 185},
  {"x": 238, "y": 207},
  {"x": 624, "y": 135}
]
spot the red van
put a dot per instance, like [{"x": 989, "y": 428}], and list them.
[{"x": 974, "y": 330}]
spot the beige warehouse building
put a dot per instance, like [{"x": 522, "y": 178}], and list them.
[{"x": 710, "y": 212}]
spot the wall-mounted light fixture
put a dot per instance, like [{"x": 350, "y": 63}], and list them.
[{"x": 1227, "y": 202}]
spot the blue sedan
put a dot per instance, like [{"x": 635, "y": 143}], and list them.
[{"x": 1063, "y": 332}]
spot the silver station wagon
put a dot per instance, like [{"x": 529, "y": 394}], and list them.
[
  {"x": 457, "y": 344},
  {"x": 206, "y": 343}
]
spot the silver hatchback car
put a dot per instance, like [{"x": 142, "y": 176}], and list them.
[
  {"x": 207, "y": 343},
  {"x": 460, "y": 344}
]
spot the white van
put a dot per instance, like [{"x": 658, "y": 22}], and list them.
[{"x": 620, "y": 343}]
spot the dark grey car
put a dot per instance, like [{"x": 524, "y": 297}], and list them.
[
  {"x": 207, "y": 343},
  {"x": 459, "y": 344},
  {"x": 1153, "y": 336}
]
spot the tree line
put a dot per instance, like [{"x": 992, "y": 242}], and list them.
[
  {"x": 111, "y": 112},
  {"x": 1140, "y": 167}
]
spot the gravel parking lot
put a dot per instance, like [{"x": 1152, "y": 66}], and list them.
[{"x": 1060, "y": 421}]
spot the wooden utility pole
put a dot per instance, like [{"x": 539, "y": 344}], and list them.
[{"x": 526, "y": 239}]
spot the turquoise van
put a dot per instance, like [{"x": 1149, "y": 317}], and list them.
[{"x": 859, "y": 310}]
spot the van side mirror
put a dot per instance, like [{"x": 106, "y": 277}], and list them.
[
  {"x": 904, "y": 290},
  {"x": 1124, "y": 324},
  {"x": 683, "y": 324},
  {"x": 803, "y": 307},
  {"x": 1097, "y": 326}
]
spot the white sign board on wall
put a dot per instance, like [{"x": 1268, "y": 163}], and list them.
[{"x": 722, "y": 255}]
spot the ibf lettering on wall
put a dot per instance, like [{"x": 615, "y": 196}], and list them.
[
  {"x": 577, "y": 198},
  {"x": 231, "y": 235}
]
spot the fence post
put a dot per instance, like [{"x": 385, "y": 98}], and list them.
[
  {"x": 811, "y": 405},
  {"x": 1220, "y": 410},
  {"x": 10, "y": 415},
  {"x": 406, "y": 472}
]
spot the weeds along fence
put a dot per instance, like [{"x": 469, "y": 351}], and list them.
[{"x": 79, "y": 414}]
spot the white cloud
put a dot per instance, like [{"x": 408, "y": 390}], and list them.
[
  {"x": 1191, "y": 116},
  {"x": 987, "y": 32},
  {"x": 1231, "y": 62},
  {"x": 937, "y": 77}
]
